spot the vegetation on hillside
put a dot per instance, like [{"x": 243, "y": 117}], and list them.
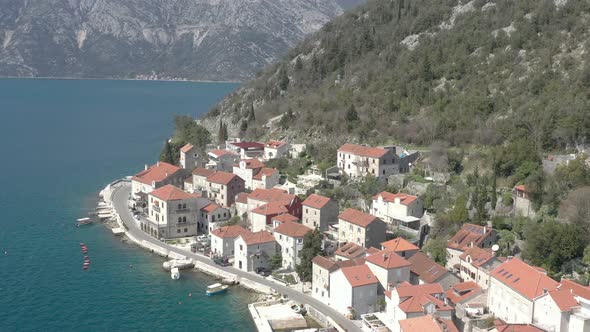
[{"x": 481, "y": 72}]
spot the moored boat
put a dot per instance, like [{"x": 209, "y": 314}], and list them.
[
  {"x": 175, "y": 273},
  {"x": 83, "y": 221},
  {"x": 216, "y": 288}
]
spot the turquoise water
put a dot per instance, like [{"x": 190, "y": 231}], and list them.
[{"x": 60, "y": 142}]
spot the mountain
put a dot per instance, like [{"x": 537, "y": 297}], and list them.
[
  {"x": 192, "y": 39},
  {"x": 417, "y": 71}
]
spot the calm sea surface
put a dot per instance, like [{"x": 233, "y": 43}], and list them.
[{"x": 61, "y": 141}]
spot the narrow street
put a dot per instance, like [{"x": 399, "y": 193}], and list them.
[{"x": 120, "y": 203}]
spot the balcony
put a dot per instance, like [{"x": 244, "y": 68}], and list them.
[
  {"x": 214, "y": 190},
  {"x": 183, "y": 210}
]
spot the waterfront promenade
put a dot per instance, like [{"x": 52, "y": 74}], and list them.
[{"x": 120, "y": 197}]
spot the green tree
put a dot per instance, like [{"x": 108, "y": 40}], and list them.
[
  {"x": 251, "y": 114},
  {"x": 459, "y": 213},
  {"x": 352, "y": 117},
  {"x": 283, "y": 78},
  {"x": 276, "y": 261},
  {"x": 437, "y": 247},
  {"x": 167, "y": 154},
  {"x": 312, "y": 246},
  {"x": 188, "y": 131},
  {"x": 222, "y": 133}
]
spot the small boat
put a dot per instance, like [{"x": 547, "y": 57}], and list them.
[
  {"x": 85, "y": 267},
  {"x": 82, "y": 244},
  {"x": 83, "y": 221},
  {"x": 175, "y": 273},
  {"x": 216, "y": 289}
]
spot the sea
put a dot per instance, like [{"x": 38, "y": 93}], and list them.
[{"x": 61, "y": 142}]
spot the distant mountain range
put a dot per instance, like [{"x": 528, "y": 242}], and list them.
[{"x": 192, "y": 39}]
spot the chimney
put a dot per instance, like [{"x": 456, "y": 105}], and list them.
[
  {"x": 145, "y": 167},
  {"x": 544, "y": 290},
  {"x": 166, "y": 173},
  {"x": 158, "y": 163},
  {"x": 509, "y": 258},
  {"x": 485, "y": 229},
  {"x": 471, "y": 244},
  {"x": 385, "y": 257}
]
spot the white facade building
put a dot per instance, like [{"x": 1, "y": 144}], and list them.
[
  {"x": 289, "y": 236},
  {"x": 356, "y": 290}
]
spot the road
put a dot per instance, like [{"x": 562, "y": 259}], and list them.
[{"x": 120, "y": 203}]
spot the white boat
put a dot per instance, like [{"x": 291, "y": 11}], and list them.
[
  {"x": 175, "y": 273},
  {"x": 83, "y": 221},
  {"x": 216, "y": 288}
]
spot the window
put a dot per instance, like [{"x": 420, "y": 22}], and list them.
[
  {"x": 178, "y": 230},
  {"x": 179, "y": 219},
  {"x": 241, "y": 247},
  {"x": 179, "y": 206},
  {"x": 183, "y": 219},
  {"x": 184, "y": 206},
  {"x": 186, "y": 230}
]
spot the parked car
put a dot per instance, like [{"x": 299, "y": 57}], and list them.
[{"x": 263, "y": 271}]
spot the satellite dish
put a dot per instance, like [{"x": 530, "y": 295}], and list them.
[{"x": 495, "y": 247}]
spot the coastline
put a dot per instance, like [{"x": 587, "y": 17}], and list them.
[
  {"x": 171, "y": 255},
  {"x": 115, "y": 79}
]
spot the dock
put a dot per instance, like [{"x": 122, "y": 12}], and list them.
[{"x": 118, "y": 231}]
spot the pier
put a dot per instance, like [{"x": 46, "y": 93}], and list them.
[{"x": 117, "y": 195}]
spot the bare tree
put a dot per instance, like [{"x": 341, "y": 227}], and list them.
[{"x": 575, "y": 208}]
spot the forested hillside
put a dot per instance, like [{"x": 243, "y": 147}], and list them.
[{"x": 466, "y": 72}]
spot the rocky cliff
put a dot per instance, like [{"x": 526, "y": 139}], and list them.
[{"x": 192, "y": 39}]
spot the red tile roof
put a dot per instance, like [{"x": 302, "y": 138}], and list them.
[
  {"x": 158, "y": 172},
  {"x": 467, "y": 234},
  {"x": 248, "y": 145},
  {"x": 359, "y": 275},
  {"x": 387, "y": 260},
  {"x": 577, "y": 289},
  {"x": 285, "y": 217},
  {"x": 372, "y": 250},
  {"x": 325, "y": 263},
  {"x": 364, "y": 151},
  {"x": 258, "y": 238},
  {"x": 219, "y": 153},
  {"x": 478, "y": 256},
  {"x": 251, "y": 163},
  {"x": 265, "y": 171},
  {"x": 404, "y": 199},
  {"x": 350, "y": 250},
  {"x": 230, "y": 232},
  {"x": 275, "y": 144},
  {"x": 186, "y": 148},
  {"x": 350, "y": 262},
  {"x": 270, "y": 195},
  {"x": 242, "y": 198},
  {"x": 272, "y": 208},
  {"x": 520, "y": 187},
  {"x": 222, "y": 177},
  {"x": 357, "y": 217},
  {"x": 316, "y": 201},
  {"x": 171, "y": 193},
  {"x": 462, "y": 291},
  {"x": 523, "y": 278},
  {"x": 426, "y": 269},
  {"x": 564, "y": 299},
  {"x": 427, "y": 323},
  {"x": 398, "y": 244},
  {"x": 210, "y": 208},
  {"x": 413, "y": 298},
  {"x": 200, "y": 171},
  {"x": 503, "y": 327},
  {"x": 292, "y": 229}
]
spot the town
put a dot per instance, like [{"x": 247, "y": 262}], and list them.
[{"x": 367, "y": 262}]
